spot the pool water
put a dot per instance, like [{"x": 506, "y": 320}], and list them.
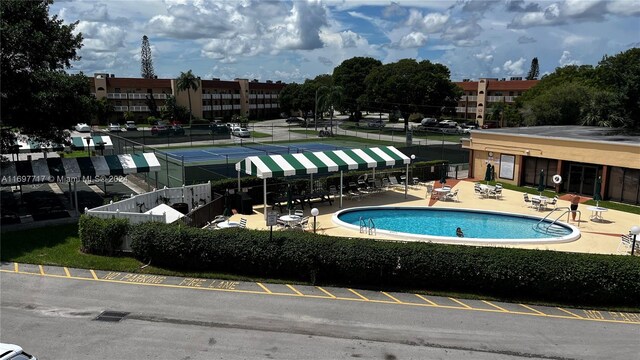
[{"x": 443, "y": 222}]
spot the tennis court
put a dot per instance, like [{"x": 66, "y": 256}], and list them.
[{"x": 223, "y": 154}]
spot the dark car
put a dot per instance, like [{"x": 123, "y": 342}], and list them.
[
  {"x": 293, "y": 120},
  {"x": 490, "y": 125},
  {"x": 160, "y": 129}
]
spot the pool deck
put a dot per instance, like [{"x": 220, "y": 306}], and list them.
[{"x": 602, "y": 237}]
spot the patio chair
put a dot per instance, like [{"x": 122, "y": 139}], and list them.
[
  {"x": 498, "y": 192},
  {"x": 333, "y": 191},
  {"x": 536, "y": 203},
  {"x": 243, "y": 223},
  {"x": 393, "y": 181},
  {"x": 299, "y": 213},
  {"x": 452, "y": 195},
  {"x": 354, "y": 195},
  {"x": 303, "y": 224},
  {"x": 385, "y": 183},
  {"x": 554, "y": 202},
  {"x": 527, "y": 201},
  {"x": 625, "y": 244}
]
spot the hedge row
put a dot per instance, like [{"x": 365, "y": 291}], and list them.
[
  {"x": 101, "y": 236},
  {"x": 587, "y": 279}
]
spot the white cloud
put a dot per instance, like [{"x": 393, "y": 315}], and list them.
[
  {"x": 101, "y": 37},
  {"x": 412, "y": 40},
  {"x": 514, "y": 68},
  {"x": 430, "y": 23},
  {"x": 566, "y": 59}
]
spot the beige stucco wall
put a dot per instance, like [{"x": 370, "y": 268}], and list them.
[
  {"x": 182, "y": 98},
  {"x": 590, "y": 152},
  {"x": 244, "y": 96}
]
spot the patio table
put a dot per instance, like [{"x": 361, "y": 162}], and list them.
[
  {"x": 442, "y": 192},
  {"x": 290, "y": 220},
  {"x": 596, "y": 213},
  {"x": 227, "y": 224}
]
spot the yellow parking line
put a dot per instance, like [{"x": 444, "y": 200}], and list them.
[
  {"x": 392, "y": 298},
  {"x": 264, "y": 288},
  {"x": 495, "y": 306},
  {"x": 427, "y": 300},
  {"x": 570, "y": 313},
  {"x": 66, "y": 271},
  {"x": 15, "y": 267},
  {"x": 326, "y": 292},
  {"x": 359, "y": 295},
  {"x": 532, "y": 309},
  {"x": 93, "y": 273},
  {"x": 41, "y": 269},
  {"x": 461, "y": 303},
  {"x": 295, "y": 290}
]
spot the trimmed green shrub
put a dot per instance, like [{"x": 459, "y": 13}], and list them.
[
  {"x": 101, "y": 236},
  {"x": 501, "y": 272}
]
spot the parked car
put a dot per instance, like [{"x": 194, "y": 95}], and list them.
[
  {"x": 448, "y": 123},
  {"x": 376, "y": 124},
  {"x": 131, "y": 126},
  {"x": 176, "y": 130},
  {"x": 240, "y": 132},
  {"x": 114, "y": 127},
  {"x": 293, "y": 120},
  {"x": 14, "y": 352},
  {"x": 160, "y": 129},
  {"x": 83, "y": 127},
  {"x": 429, "y": 122},
  {"x": 490, "y": 125}
]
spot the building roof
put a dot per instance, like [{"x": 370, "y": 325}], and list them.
[
  {"x": 220, "y": 84},
  {"x": 573, "y": 132},
  {"x": 499, "y": 85}
]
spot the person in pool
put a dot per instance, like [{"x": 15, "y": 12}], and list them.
[{"x": 459, "y": 232}]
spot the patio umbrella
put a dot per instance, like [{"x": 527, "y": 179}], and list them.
[
  {"x": 596, "y": 194},
  {"x": 489, "y": 174},
  {"x": 227, "y": 206},
  {"x": 541, "y": 182},
  {"x": 290, "y": 204}
]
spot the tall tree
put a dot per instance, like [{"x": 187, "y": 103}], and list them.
[
  {"x": 146, "y": 59},
  {"x": 187, "y": 81},
  {"x": 621, "y": 74},
  {"x": 534, "y": 71},
  {"x": 38, "y": 98},
  {"x": 350, "y": 75},
  {"x": 331, "y": 98},
  {"x": 412, "y": 86}
]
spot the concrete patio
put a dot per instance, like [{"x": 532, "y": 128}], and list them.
[{"x": 596, "y": 237}]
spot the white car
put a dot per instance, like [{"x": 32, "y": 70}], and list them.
[
  {"x": 83, "y": 127},
  {"x": 115, "y": 127},
  {"x": 447, "y": 123},
  {"x": 14, "y": 352},
  {"x": 240, "y": 132}
]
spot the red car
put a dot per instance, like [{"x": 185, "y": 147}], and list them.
[{"x": 490, "y": 125}]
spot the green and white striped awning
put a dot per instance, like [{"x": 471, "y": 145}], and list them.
[
  {"x": 80, "y": 143},
  {"x": 325, "y": 162},
  {"x": 76, "y": 169},
  {"x": 26, "y": 146}
]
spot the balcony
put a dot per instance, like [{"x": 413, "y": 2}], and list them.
[
  {"x": 253, "y": 96},
  {"x": 206, "y": 108},
  {"x": 160, "y": 96},
  {"x": 470, "y": 98},
  {"x": 510, "y": 99},
  {"x": 225, "y": 96},
  {"x": 120, "y": 108},
  {"x": 495, "y": 98},
  {"x": 206, "y": 96},
  {"x": 227, "y": 107},
  {"x": 137, "y": 96},
  {"x": 117, "y": 96},
  {"x": 236, "y": 96},
  {"x": 253, "y": 106},
  {"x": 215, "y": 96},
  {"x": 139, "y": 108},
  {"x": 236, "y": 107}
]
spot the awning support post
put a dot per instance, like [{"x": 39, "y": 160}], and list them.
[
  {"x": 75, "y": 197},
  {"x": 406, "y": 181},
  {"x": 311, "y": 182},
  {"x": 239, "y": 182},
  {"x": 264, "y": 195},
  {"x": 341, "y": 189}
]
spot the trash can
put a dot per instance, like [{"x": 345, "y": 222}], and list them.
[
  {"x": 181, "y": 207},
  {"x": 246, "y": 204}
]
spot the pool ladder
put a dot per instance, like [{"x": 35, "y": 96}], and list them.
[
  {"x": 367, "y": 226},
  {"x": 565, "y": 210}
]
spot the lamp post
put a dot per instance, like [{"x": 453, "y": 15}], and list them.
[
  {"x": 88, "y": 138},
  {"x": 315, "y": 113},
  {"x": 314, "y": 213},
  {"x": 100, "y": 145},
  {"x": 635, "y": 230}
]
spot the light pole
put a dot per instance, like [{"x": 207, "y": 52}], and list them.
[
  {"x": 315, "y": 113},
  {"x": 100, "y": 145},
  {"x": 314, "y": 212},
  {"x": 88, "y": 138},
  {"x": 635, "y": 230}
]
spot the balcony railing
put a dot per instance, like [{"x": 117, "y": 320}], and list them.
[
  {"x": 139, "y": 108},
  {"x": 495, "y": 98},
  {"x": 216, "y": 96},
  {"x": 236, "y": 96},
  {"x": 206, "y": 96},
  {"x": 225, "y": 96},
  {"x": 120, "y": 108},
  {"x": 470, "y": 98},
  {"x": 227, "y": 107},
  {"x": 137, "y": 96},
  {"x": 253, "y": 106},
  {"x": 160, "y": 96},
  {"x": 237, "y": 107},
  {"x": 117, "y": 96}
]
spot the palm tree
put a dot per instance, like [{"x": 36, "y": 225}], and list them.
[
  {"x": 333, "y": 97},
  {"x": 187, "y": 81}
]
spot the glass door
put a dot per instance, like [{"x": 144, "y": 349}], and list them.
[
  {"x": 582, "y": 179},
  {"x": 575, "y": 179}
]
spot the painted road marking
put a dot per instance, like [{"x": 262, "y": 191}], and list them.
[
  {"x": 427, "y": 300},
  {"x": 357, "y": 294},
  {"x": 261, "y": 289},
  {"x": 495, "y": 306},
  {"x": 326, "y": 292},
  {"x": 264, "y": 288}
]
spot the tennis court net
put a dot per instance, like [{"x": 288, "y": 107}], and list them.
[{"x": 271, "y": 149}]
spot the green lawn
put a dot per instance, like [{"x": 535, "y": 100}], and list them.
[{"x": 258, "y": 135}]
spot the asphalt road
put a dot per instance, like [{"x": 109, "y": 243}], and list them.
[{"x": 53, "y": 317}]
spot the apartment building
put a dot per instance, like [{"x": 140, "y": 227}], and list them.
[
  {"x": 213, "y": 99},
  {"x": 479, "y": 96}
]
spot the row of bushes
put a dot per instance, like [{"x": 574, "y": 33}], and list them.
[{"x": 575, "y": 278}]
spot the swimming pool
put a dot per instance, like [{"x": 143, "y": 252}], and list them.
[{"x": 440, "y": 224}]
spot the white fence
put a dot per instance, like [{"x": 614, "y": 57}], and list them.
[{"x": 134, "y": 208}]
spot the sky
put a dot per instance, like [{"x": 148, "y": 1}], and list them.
[{"x": 296, "y": 40}]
